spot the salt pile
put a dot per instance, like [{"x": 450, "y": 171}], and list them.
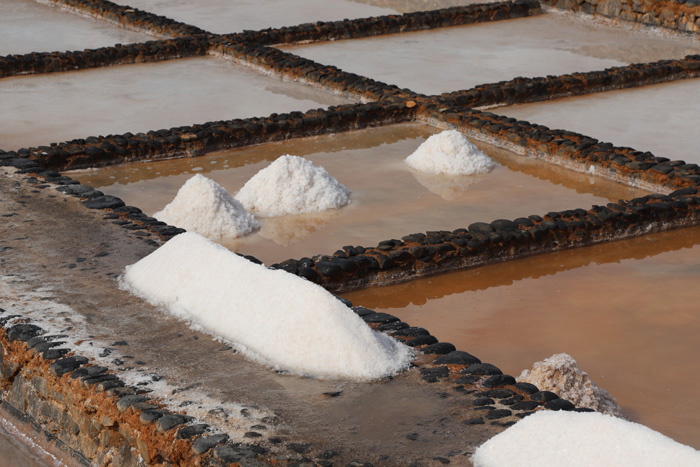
[
  {"x": 203, "y": 206},
  {"x": 273, "y": 316},
  {"x": 555, "y": 439},
  {"x": 561, "y": 374},
  {"x": 292, "y": 185},
  {"x": 451, "y": 153}
]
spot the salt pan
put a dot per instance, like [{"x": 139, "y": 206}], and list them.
[
  {"x": 273, "y": 316},
  {"x": 572, "y": 439},
  {"x": 292, "y": 185},
  {"x": 203, "y": 206},
  {"x": 449, "y": 152},
  {"x": 561, "y": 374}
]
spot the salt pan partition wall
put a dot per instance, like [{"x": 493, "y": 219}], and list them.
[{"x": 391, "y": 260}]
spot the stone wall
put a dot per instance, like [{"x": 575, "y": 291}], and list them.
[{"x": 679, "y": 15}]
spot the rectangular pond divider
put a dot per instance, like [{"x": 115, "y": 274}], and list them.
[
  {"x": 91, "y": 412},
  {"x": 679, "y": 15},
  {"x": 525, "y": 90}
]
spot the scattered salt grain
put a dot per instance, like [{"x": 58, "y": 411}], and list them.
[
  {"x": 203, "y": 206},
  {"x": 449, "y": 152},
  {"x": 272, "y": 316},
  {"x": 561, "y": 374},
  {"x": 292, "y": 185},
  {"x": 572, "y": 439}
]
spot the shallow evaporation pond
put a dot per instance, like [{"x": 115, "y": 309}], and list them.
[
  {"x": 140, "y": 98},
  {"x": 456, "y": 58},
  {"x": 662, "y": 118},
  {"x": 229, "y": 16},
  {"x": 388, "y": 199},
  {"x": 28, "y": 26},
  {"x": 626, "y": 311}
]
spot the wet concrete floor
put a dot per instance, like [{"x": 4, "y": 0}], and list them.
[
  {"x": 142, "y": 97},
  {"x": 626, "y": 311},
  {"x": 388, "y": 200},
  {"x": 452, "y": 59},
  {"x": 28, "y": 26},
  {"x": 392, "y": 422},
  {"x": 662, "y": 118}
]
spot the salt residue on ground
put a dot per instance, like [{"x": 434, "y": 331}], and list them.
[
  {"x": 203, "y": 206},
  {"x": 292, "y": 185},
  {"x": 555, "y": 439},
  {"x": 286, "y": 321},
  {"x": 451, "y": 153},
  {"x": 561, "y": 374}
]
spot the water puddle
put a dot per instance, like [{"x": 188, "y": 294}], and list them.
[
  {"x": 388, "y": 199},
  {"x": 139, "y": 98},
  {"x": 451, "y": 59},
  {"x": 626, "y": 311},
  {"x": 228, "y": 16},
  {"x": 407, "y": 6},
  {"x": 662, "y": 119},
  {"x": 27, "y": 26},
  {"x": 22, "y": 446}
]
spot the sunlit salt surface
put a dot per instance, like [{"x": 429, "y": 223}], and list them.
[
  {"x": 561, "y": 374},
  {"x": 28, "y": 26},
  {"x": 553, "y": 439},
  {"x": 662, "y": 118},
  {"x": 203, "y": 206},
  {"x": 260, "y": 309},
  {"x": 292, "y": 185},
  {"x": 449, "y": 153},
  {"x": 389, "y": 199},
  {"x": 626, "y": 311},
  {"x": 140, "y": 98},
  {"x": 228, "y": 16},
  {"x": 451, "y": 59}
]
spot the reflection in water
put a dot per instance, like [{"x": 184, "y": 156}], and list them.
[
  {"x": 387, "y": 200},
  {"x": 448, "y": 187},
  {"x": 626, "y": 311},
  {"x": 406, "y": 6}
]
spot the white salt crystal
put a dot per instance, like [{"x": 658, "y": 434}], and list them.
[
  {"x": 203, "y": 206},
  {"x": 273, "y": 316},
  {"x": 449, "y": 152},
  {"x": 292, "y": 185},
  {"x": 573, "y": 439}
]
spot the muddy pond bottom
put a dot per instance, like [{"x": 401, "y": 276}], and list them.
[
  {"x": 389, "y": 200},
  {"x": 626, "y": 311}
]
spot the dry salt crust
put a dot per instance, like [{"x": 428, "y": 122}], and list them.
[
  {"x": 205, "y": 207},
  {"x": 292, "y": 185},
  {"x": 450, "y": 153},
  {"x": 574, "y": 439},
  {"x": 260, "y": 310},
  {"x": 561, "y": 374}
]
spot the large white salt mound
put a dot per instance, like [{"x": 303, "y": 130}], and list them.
[
  {"x": 561, "y": 374},
  {"x": 203, "y": 206},
  {"x": 451, "y": 153},
  {"x": 571, "y": 439},
  {"x": 292, "y": 185},
  {"x": 272, "y": 315}
]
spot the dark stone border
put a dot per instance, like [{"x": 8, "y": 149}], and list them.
[
  {"x": 524, "y": 90},
  {"x": 143, "y": 52},
  {"x": 679, "y": 15}
]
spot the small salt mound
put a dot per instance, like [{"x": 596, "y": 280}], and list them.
[
  {"x": 292, "y": 185},
  {"x": 555, "y": 439},
  {"x": 449, "y": 152},
  {"x": 274, "y": 316},
  {"x": 203, "y": 206},
  {"x": 561, "y": 374}
]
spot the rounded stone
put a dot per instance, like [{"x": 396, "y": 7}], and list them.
[{"x": 458, "y": 357}]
